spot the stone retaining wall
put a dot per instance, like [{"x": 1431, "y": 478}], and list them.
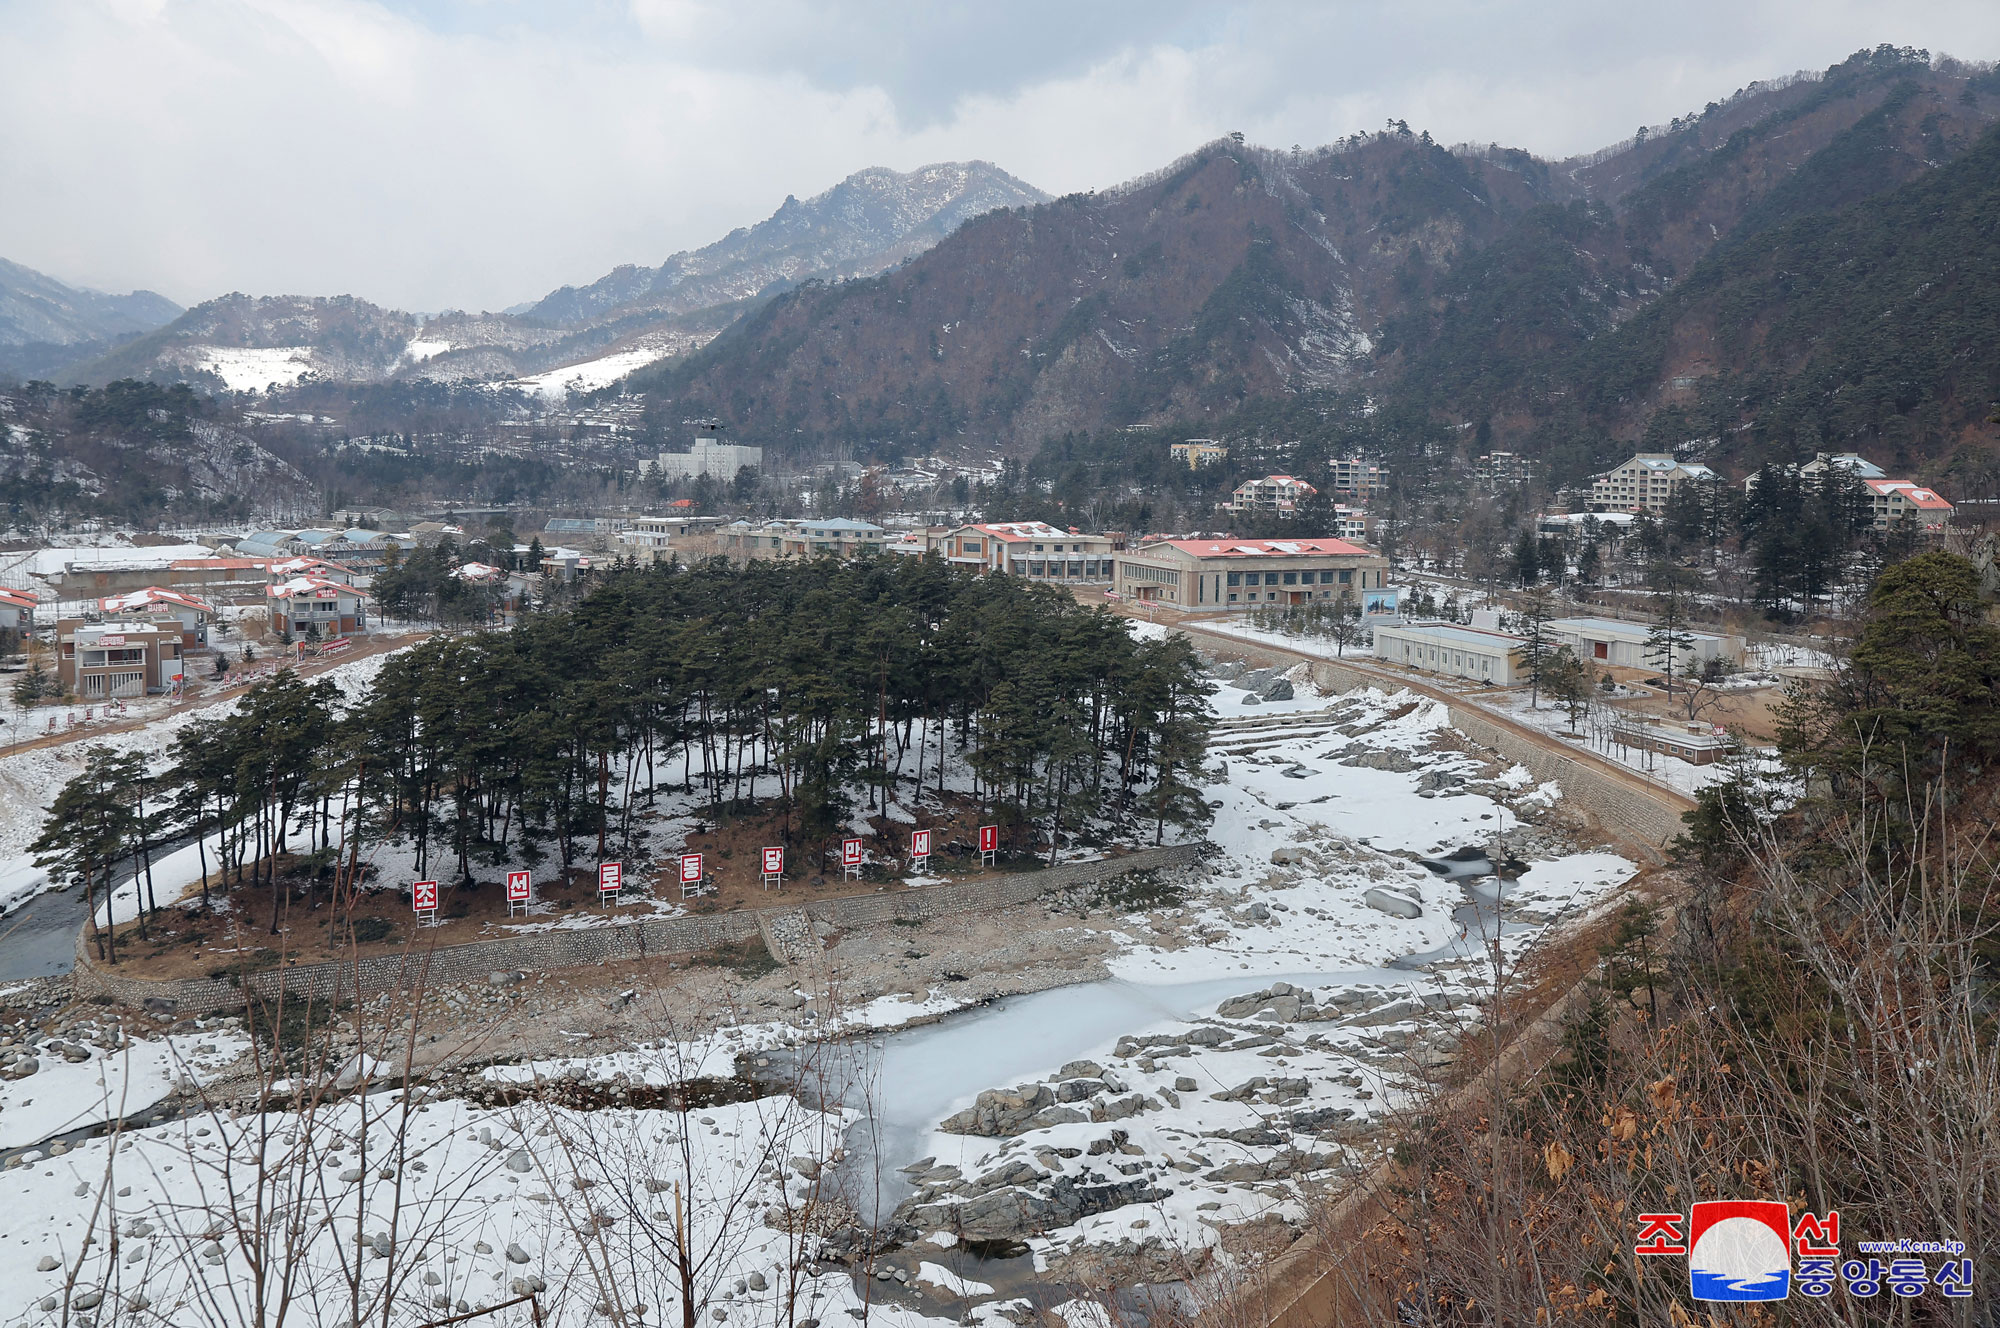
[{"x": 555, "y": 951}]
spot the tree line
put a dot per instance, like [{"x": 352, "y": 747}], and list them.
[{"x": 810, "y": 690}]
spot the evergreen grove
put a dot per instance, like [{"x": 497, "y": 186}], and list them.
[{"x": 811, "y": 691}]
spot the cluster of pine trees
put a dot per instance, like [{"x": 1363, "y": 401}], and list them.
[{"x": 809, "y": 690}]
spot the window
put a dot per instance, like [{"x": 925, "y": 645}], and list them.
[
  {"x": 1235, "y": 579},
  {"x": 1039, "y": 549},
  {"x": 1346, "y": 576},
  {"x": 1306, "y": 578},
  {"x": 1035, "y": 567},
  {"x": 1291, "y": 578},
  {"x": 1232, "y": 599},
  {"x": 1270, "y": 578}
]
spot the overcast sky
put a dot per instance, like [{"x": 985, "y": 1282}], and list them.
[{"x": 475, "y": 153}]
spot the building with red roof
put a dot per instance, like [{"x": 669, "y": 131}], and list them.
[
  {"x": 17, "y": 609},
  {"x": 157, "y": 604},
  {"x": 1894, "y": 502},
  {"x": 1034, "y": 550},
  {"x": 1219, "y": 575},
  {"x": 311, "y": 603}
]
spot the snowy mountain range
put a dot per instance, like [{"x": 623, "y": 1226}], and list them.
[
  {"x": 863, "y": 225},
  {"x": 576, "y": 337},
  {"x": 44, "y": 323}
]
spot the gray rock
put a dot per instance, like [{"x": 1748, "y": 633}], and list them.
[
  {"x": 349, "y": 1176},
  {"x": 758, "y": 1283},
  {"x": 89, "y": 1300},
  {"x": 48, "y": 1263},
  {"x": 1283, "y": 856},
  {"x": 1257, "y": 913},
  {"x": 1251, "y": 699},
  {"x": 1184, "y": 1084},
  {"x": 1080, "y": 1070},
  {"x": 515, "y": 1254},
  {"x": 382, "y": 1245},
  {"x": 518, "y": 1161},
  {"x": 1388, "y": 901},
  {"x": 1000, "y": 1112},
  {"x": 1281, "y": 690},
  {"x": 1061, "y": 1115}
]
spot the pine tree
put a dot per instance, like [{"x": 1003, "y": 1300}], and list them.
[
  {"x": 1537, "y": 608},
  {"x": 1669, "y": 638}
]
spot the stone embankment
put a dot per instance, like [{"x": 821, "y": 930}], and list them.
[{"x": 789, "y": 933}]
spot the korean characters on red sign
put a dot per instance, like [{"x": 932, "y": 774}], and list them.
[
  {"x": 690, "y": 869},
  {"x": 850, "y": 853},
  {"x": 610, "y": 878},
  {"x": 920, "y": 843},
  {"x": 519, "y": 884},
  {"x": 424, "y": 897},
  {"x": 774, "y": 862}
]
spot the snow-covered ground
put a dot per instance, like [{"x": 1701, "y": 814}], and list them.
[
  {"x": 1252, "y": 1036},
  {"x": 1668, "y": 771},
  {"x": 254, "y": 368},
  {"x": 62, "y": 1094},
  {"x": 591, "y": 374}
]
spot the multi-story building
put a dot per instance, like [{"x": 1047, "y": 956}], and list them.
[
  {"x": 1645, "y": 483},
  {"x": 118, "y": 657},
  {"x": 1852, "y": 462},
  {"x": 662, "y": 539},
  {"x": 1280, "y": 494},
  {"x": 707, "y": 457},
  {"x": 1363, "y": 481},
  {"x": 1198, "y": 452},
  {"x": 328, "y": 607},
  {"x": 1894, "y": 502},
  {"x": 829, "y": 537},
  {"x": 155, "y": 604},
  {"x": 1215, "y": 576},
  {"x": 1031, "y": 549},
  {"x": 1502, "y": 470},
  {"x": 1351, "y": 523}
]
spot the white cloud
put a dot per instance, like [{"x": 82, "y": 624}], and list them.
[{"x": 462, "y": 154}]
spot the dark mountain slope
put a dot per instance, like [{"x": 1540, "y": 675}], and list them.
[
  {"x": 44, "y": 323},
  {"x": 1383, "y": 279}
]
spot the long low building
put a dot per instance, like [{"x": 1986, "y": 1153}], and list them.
[
  {"x": 1455, "y": 651},
  {"x": 1216, "y": 576},
  {"x": 1610, "y": 641}
]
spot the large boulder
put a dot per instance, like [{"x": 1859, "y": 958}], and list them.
[
  {"x": 1000, "y": 1112},
  {"x": 1388, "y": 901}
]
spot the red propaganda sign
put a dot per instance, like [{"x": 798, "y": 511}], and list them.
[
  {"x": 920, "y": 843},
  {"x": 424, "y": 897},
  {"x": 610, "y": 878},
  {"x": 517, "y": 887},
  {"x": 989, "y": 839},
  {"x": 850, "y": 853},
  {"x": 111, "y": 640},
  {"x": 774, "y": 862},
  {"x": 690, "y": 869},
  {"x": 324, "y": 593}
]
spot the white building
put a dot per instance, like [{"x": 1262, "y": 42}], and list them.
[
  {"x": 708, "y": 457},
  {"x": 1282, "y": 494},
  {"x": 1455, "y": 651},
  {"x": 1623, "y": 644},
  {"x": 1645, "y": 483}
]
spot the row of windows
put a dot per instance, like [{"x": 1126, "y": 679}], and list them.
[{"x": 1345, "y": 576}]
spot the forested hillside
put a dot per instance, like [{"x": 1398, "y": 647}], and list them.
[{"x": 1678, "y": 289}]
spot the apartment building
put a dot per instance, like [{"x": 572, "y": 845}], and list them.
[
  {"x": 1198, "y": 452},
  {"x": 1280, "y": 494},
  {"x": 1645, "y": 483}
]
